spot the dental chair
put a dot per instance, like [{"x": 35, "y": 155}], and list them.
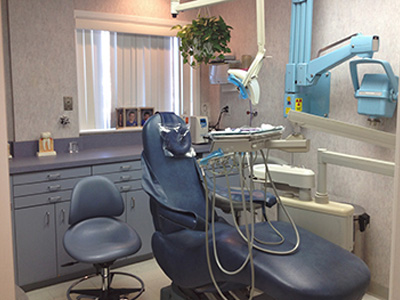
[
  {"x": 317, "y": 270},
  {"x": 97, "y": 237}
]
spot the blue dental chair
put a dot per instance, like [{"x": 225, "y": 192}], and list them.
[{"x": 318, "y": 270}]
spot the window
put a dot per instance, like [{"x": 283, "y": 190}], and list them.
[{"x": 118, "y": 69}]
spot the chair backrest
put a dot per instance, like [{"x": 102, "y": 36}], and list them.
[
  {"x": 178, "y": 176},
  {"x": 95, "y": 196}
]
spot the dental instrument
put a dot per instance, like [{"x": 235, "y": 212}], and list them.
[
  {"x": 217, "y": 163},
  {"x": 245, "y": 81},
  {"x": 307, "y": 82}
]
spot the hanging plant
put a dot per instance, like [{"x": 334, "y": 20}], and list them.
[{"x": 205, "y": 39}]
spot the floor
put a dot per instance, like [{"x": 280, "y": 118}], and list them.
[{"x": 148, "y": 271}]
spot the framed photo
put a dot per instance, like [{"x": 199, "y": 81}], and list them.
[
  {"x": 145, "y": 114},
  {"x": 120, "y": 112},
  {"x": 131, "y": 117}
]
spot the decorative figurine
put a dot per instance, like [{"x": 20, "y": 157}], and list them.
[{"x": 46, "y": 145}]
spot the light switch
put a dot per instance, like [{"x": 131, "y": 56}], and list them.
[{"x": 67, "y": 103}]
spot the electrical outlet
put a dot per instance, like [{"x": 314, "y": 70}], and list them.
[
  {"x": 67, "y": 103},
  {"x": 204, "y": 109}
]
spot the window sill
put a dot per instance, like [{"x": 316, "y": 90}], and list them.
[{"x": 112, "y": 130}]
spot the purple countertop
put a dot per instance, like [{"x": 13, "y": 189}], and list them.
[
  {"x": 66, "y": 160},
  {"x": 83, "y": 158}
]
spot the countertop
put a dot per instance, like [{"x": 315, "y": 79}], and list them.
[{"x": 83, "y": 158}]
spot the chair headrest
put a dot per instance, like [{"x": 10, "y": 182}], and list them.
[{"x": 176, "y": 136}]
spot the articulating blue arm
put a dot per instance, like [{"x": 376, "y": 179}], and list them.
[{"x": 360, "y": 45}]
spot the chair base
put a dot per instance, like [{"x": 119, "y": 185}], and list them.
[
  {"x": 106, "y": 292},
  {"x": 172, "y": 292}
]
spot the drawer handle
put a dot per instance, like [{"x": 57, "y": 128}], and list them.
[
  {"x": 53, "y": 188},
  {"x": 53, "y": 176},
  {"x": 133, "y": 202},
  {"x": 126, "y": 178},
  {"x": 54, "y": 198},
  {"x": 126, "y": 167},
  {"x": 125, "y": 188},
  {"x": 47, "y": 218},
  {"x": 62, "y": 216}
]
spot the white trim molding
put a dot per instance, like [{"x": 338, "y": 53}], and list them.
[{"x": 124, "y": 23}]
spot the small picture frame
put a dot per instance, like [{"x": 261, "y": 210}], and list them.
[
  {"x": 131, "y": 117},
  {"x": 145, "y": 114},
  {"x": 120, "y": 112}
]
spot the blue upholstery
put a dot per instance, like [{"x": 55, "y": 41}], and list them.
[
  {"x": 317, "y": 270},
  {"x": 95, "y": 236}
]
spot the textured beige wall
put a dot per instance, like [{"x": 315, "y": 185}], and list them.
[
  {"x": 43, "y": 67},
  {"x": 333, "y": 20},
  {"x": 43, "y": 61}
]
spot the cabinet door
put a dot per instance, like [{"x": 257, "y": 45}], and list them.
[
  {"x": 139, "y": 217},
  {"x": 62, "y": 214},
  {"x": 35, "y": 244}
]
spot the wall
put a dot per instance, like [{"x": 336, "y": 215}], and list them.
[
  {"x": 333, "y": 20},
  {"x": 6, "y": 251},
  {"x": 43, "y": 67},
  {"x": 43, "y": 63}
]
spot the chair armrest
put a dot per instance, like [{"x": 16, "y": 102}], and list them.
[{"x": 182, "y": 219}]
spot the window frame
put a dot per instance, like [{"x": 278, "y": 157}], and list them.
[{"x": 133, "y": 25}]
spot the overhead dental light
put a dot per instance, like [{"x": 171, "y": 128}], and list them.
[{"x": 245, "y": 81}]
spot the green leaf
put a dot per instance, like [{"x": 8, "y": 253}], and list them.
[{"x": 203, "y": 39}]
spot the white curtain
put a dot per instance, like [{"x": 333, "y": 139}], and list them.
[{"x": 118, "y": 70}]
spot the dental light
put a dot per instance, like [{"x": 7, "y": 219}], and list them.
[{"x": 245, "y": 81}]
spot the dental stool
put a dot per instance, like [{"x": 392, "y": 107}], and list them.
[
  {"x": 95, "y": 236},
  {"x": 317, "y": 270}
]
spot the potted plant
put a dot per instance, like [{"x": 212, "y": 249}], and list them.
[{"x": 205, "y": 39}]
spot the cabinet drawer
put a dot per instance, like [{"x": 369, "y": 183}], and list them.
[
  {"x": 117, "y": 167},
  {"x": 124, "y": 176},
  {"x": 51, "y": 175},
  {"x": 44, "y": 187},
  {"x": 26, "y": 201},
  {"x": 129, "y": 186}
]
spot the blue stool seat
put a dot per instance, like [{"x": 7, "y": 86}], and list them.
[{"x": 101, "y": 240}]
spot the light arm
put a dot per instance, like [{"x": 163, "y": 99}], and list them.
[
  {"x": 176, "y": 7},
  {"x": 246, "y": 80},
  {"x": 256, "y": 65}
]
